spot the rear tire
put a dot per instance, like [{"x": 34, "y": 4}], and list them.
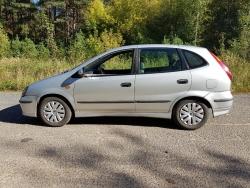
[
  {"x": 190, "y": 114},
  {"x": 54, "y": 112}
]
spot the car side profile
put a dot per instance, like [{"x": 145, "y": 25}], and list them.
[{"x": 162, "y": 81}]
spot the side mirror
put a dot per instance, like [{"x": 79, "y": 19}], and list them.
[{"x": 80, "y": 72}]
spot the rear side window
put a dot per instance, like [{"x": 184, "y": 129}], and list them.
[
  {"x": 154, "y": 60},
  {"x": 194, "y": 60}
]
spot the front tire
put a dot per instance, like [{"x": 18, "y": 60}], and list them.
[
  {"x": 190, "y": 114},
  {"x": 54, "y": 112}
]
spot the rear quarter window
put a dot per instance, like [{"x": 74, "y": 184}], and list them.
[{"x": 194, "y": 60}]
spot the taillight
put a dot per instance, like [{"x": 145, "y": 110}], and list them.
[{"x": 223, "y": 65}]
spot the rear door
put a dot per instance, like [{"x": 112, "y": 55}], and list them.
[{"x": 162, "y": 78}]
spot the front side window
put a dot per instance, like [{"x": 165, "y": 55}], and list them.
[
  {"x": 115, "y": 64},
  {"x": 159, "y": 61}
]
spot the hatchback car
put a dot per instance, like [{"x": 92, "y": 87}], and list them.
[{"x": 161, "y": 81}]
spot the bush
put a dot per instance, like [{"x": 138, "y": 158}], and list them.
[
  {"x": 53, "y": 48},
  {"x": 77, "y": 51},
  {"x": 16, "y": 48},
  {"x": 43, "y": 52},
  {"x": 240, "y": 69},
  {"x": 237, "y": 59},
  {"x": 174, "y": 40},
  {"x": 29, "y": 48},
  {"x": 25, "y": 48},
  {"x": 241, "y": 47}
]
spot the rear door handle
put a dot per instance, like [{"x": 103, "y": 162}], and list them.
[
  {"x": 126, "y": 84},
  {"x": 182, "y": 81}
]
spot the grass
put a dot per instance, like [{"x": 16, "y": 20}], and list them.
[
  {"x": 240, "y": 69},
  {"x": 17, "y": 73}
]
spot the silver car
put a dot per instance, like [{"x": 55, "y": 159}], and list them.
[{"x": 161, "y": 81}]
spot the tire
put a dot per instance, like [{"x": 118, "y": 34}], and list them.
[
  {"x": 190, "y": 114},
  {"x": 54, "y": 112}
]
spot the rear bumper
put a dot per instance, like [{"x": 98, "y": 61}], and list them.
[
  {"x": 221, "y": 102},
  {"x": 29, "y": 105}
]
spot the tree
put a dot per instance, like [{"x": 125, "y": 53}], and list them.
[
  {"x": 77, "y": 50},
  {"x": 4, "y": 44},
  {"x": 16, "y": 17},
  {"x": 16, "y": 47},
  {"x": 223, "y": 21},
  {"x": 97, "y": 17},
  {"x": 65, "y": 16},
  {"x": 43, "y": 52},
  {"x": 173, "y": 18},
  {"x": 129, "y": 18},
  {"x": 107, "y": 40},
  {"x": 29, "y": 48}
]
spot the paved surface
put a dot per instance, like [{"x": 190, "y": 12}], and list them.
[{"x": 124, "y": 152}]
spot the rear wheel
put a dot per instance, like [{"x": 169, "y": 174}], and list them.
[
  {"x": 54, "y": 112},
  {"x": 190, "y": 114}
]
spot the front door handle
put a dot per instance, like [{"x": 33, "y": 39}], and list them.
[
  {"x": 126, "y": 84},
  {"x": 182, "y": 81}
]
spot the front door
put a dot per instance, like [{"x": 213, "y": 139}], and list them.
[
  {"x": 160, "y": 80},
  {"x": 108, "y": 85}
]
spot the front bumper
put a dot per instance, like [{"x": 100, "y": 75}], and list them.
[
  {"x": 221, "y": 102},
  {"x": 29, "y": 105}
]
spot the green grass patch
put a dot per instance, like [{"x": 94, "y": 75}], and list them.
[{"x": 17, "y": 73}]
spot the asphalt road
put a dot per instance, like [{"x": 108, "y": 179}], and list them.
[{"x": 124, "y": 152}]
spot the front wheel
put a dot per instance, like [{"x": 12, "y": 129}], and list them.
[
  {"x": 54, "y": 112},
  {"x": 190, "y": 114}
]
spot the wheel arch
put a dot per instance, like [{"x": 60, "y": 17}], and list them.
[
  {"x": 57, "y": 96},
  {"x": 201, "y": 99}
]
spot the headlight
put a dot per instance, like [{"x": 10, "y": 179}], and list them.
[{"x": 24, "y": 91}]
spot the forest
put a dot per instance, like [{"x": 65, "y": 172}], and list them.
[{"x": 40, "y": 38}]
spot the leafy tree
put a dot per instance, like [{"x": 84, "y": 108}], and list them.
[
  {"x": 53, "y": 48},
  {"x": 77, "y": 50},
  {"x": 107, "y": 40},
  {"x": 174, "y": 18},
  {"x": 129, "y": 18},
  {"x": 97, "y": 17},
  {"x": 25, "y": 48},
  {"x": 174, "y": 40},
  {"x": 43, "y": 52},
  {"x": 223, "y": 19},
  {"x": 53, "y": 27},
  {"x": 4, "y": 44},
  {"x": 16, "y": 16},
  {"x": 29, "y": 48},
  {"x": 16, "y": 47},
  {"x": 66, "y": 17}
]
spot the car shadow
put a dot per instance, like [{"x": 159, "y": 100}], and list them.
[
  {"x": 127, "y": 121},
  {"x": 14, "y": 115}
]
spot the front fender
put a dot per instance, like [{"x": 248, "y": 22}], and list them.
[{"x": 65, "y": 93}]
